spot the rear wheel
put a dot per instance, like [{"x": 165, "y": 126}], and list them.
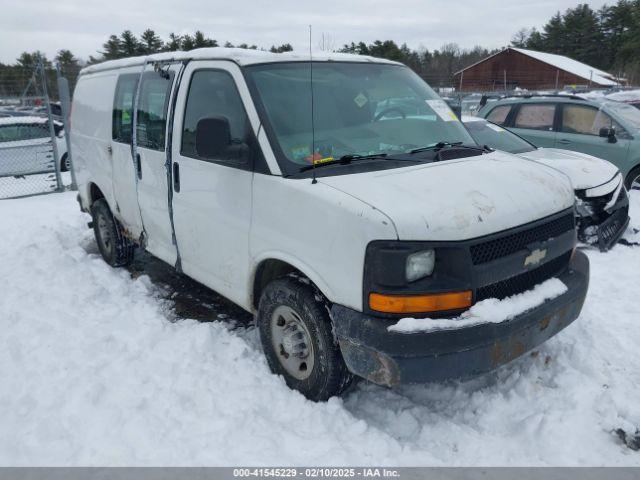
[
  {"x": 633, "y": 179},
  {"x": 115, "y": 248},
  {"x": 64, "y": 163},
  {"x": 298, "y": 341}
]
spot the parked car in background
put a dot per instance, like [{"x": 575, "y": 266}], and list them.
[
  {"x": 602, "y": 204},
  {"x": 603, "y": 128},
  {"x": 25, "y": 146},
  {"x": 630, "y": 97},
  {"x": 329, "y": 221}
]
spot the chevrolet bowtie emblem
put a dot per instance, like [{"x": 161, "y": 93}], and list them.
[{"x": 535, "y": 257}]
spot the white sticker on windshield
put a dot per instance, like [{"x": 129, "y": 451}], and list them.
[
  {"x": 360, "y": 100},
  {"x": 442, "y": 110},
  {"x": 495, "y": 127}
]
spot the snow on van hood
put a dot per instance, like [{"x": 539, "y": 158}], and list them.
[
  {"x": 461, "y": 199},
  {"x": 585, "y": 171}
]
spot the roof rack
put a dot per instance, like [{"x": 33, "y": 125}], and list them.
[{"x": 560, "y": 95}]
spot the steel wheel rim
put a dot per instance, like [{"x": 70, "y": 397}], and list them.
[
  {"x": 291, "y": 342},
  {"x": 105, "y": 234}
]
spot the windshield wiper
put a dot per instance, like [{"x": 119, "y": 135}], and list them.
[
  {"x": 343, "y": 160},
  {"x": 437, "y": 146}
]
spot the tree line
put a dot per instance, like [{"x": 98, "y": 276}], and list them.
[{"x": 608, "y": 39}]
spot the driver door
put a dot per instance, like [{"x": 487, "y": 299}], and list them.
[
  {"x": 212, "y": 194},
  {"x": 580, "y": 132}
]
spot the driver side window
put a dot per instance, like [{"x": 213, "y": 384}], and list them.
[
  {"x": 213, "y": 94},
  {"x": 587, "y": 120}
]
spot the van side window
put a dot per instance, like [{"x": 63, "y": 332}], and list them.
[
  {"x": 151, "y": 123},
  {"x": 536, "y": 117},
  {"x": 121, "y": 129},
  {"x": 213, "y": 93},
  {"x": 586, "y": 120}
]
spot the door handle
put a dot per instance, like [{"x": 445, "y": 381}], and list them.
[
  {"x": 176, "y": 177},
  {"x": 139, "y": 166},
  {"x": 109, "y": 149},
  {"x": 564, "y": 141}
]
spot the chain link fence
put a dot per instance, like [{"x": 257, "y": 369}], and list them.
[{"x": 33, "y": 143}]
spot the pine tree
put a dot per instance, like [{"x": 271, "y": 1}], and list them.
[
  {"x": 200, "y": 41},
  {"x": 129, "y": 44},
  {"x": 285, "y": 47},
  {"x": 151, "y": 43},
  {"x": 554, "y": 35},
  {"x": 112, "y": 48},
  {"x": 187, "y": 43}
]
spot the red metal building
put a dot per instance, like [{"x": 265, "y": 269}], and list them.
[{"x": 531, "y": 70}]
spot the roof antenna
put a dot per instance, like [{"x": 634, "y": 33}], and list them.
[{"x": 313, "y": 129}]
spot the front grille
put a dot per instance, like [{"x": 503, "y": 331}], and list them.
[
  {"x": 524, "y": 281},
  {"x": 610, "y": 229},
  {"x": 514, "y": 242}
]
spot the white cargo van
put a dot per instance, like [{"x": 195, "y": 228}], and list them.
[{"x": 330, "y": 208}]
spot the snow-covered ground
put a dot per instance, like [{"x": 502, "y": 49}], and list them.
[{"x": 95, "y": 369}]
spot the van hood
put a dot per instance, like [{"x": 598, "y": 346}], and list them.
[
  {"x": 461, "y": 199},
  {"x": 585, "y": 171}
]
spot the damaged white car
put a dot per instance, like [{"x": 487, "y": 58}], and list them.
[{"x": 602, "y": 204}]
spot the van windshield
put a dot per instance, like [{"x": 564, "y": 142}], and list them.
[{"x": 358, "y": 109}]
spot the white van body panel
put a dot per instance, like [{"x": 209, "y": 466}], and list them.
[
  {"x": 461, "y": 199},
  {"x": 321, "y": 231},
  {"x": 91, "y": 134}
]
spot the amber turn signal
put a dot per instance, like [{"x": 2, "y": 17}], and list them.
[{"x": 420, "y": 303}]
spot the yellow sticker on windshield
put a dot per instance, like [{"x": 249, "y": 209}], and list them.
[
  {"x": 322, "y": 160},
  {"x": 441, "y": 109}
]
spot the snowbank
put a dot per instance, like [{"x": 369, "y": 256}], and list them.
[
  {"x": 94, "y": 370},
  {"x": 490, "y": 310}
]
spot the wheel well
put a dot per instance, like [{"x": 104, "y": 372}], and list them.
[
  {"x": 267, "y": 271},
  {"x": 94, "y": 193},
  {"x": 631, "y": 175}
]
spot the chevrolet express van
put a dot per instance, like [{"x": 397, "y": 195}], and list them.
[{"x": 331, "y": 199}]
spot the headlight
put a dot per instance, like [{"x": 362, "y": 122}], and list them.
[{"x": 420, "y": 265}]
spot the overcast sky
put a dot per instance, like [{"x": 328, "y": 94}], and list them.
[{"x": 83, "y": 25}]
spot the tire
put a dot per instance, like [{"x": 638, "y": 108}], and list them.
[
  {"x": 64, "y": 167},
  {"x": 115, "y": 248},
  {"x": 633, "y": 177},
  {"x": 317, "y": 370}
]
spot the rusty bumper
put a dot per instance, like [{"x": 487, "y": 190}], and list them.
[{"x": 390, "y": 358}]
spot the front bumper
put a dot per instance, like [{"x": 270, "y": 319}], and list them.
[
  {"x": 601, "y": 227},
  {"x": 391, "y": 358}
]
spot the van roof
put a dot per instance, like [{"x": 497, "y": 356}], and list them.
[{"x": 241, "y": 56}]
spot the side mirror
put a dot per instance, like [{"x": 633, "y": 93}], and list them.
[
  {"x": 609, "y": 134},
  {"x": 213, "y": 137}
]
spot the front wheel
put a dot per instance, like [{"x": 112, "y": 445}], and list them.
[
  {"x": 64, "y": 163},
  {"x": 116, "y": 249},
  {"x": 633, "y": 179},
  {"x": 298, "y": 341}
]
